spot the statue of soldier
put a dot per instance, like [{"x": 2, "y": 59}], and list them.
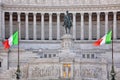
[{"x": 67, "y": 22}]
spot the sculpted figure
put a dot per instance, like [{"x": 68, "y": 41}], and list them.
[{"x": 67, "y": 22}]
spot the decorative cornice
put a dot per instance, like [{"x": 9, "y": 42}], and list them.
[
  {"x": 60, "y": 2},
  {"x": 62, "y": 9}
]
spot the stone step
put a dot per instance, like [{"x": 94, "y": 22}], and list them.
[{"x": 62, "y": 79}]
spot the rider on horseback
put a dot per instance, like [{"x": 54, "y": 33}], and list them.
[{"x": 67, "y": 22}]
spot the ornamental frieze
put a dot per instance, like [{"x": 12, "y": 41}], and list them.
[
  {"x": 60, "y": 9},
  {"x": 61, "y": 2}
]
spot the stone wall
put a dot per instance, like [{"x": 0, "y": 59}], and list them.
[
  {"x": 30, "y": 56},
  {"x": 41, "y": 69}
]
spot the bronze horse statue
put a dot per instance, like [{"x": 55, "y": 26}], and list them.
[{"x": 67, "y": 22}]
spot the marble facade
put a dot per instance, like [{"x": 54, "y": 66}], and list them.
[
  {"x": 46, "y": 53},
  {"x": 61, "y": 67}
]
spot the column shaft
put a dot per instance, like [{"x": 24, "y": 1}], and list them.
[
  {"x": 34, "y": 29},
  {"x": 74, "y": 26},
  {"x": 50, "y": 26},
  {"x": 3, "y": 26},
  {"x": 106, "y": 22},
  {"x": 19, "y": 25},
  {"x": 82, "y": 26},
  {"x": 90, "y": 26},
  {"x": 98, "y": 25},
  {"x": 42, "y": 26},
  {"x": 114, "y": 25},
  {"x": 11, "y": 23},
  {"x": 26, "y": 21},
  {"x": 58, "y": 26}
]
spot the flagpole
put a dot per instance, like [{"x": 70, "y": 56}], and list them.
[
  {"x": 8, "y": 54},
  {"x": 18, "y": 66},
  {"x": 8, "y": 57},
  {"x": 112, "y": 68}
]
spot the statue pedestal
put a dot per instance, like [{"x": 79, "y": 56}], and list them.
[{"x": 67, "y": 46}]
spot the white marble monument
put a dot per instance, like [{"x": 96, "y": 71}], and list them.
[
  {"x": 65, "y": 66},
  {"x": 67, "y": 47},
  {"x": 43, "y": 55}
]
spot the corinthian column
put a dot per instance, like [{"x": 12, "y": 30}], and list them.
[
  {"x": 106, "y": 22},
  {"x": 50, "y": 26},
  {"x": 58, "y": 26},
  {"x": 11, "y": 23},
  {"x": 26, "y": 24},
  {"x": 114, "y": 25},
  {"x": 82, "y": 26},
  {"x": 19, "y": 25},
  {"x": 74, "y": 25},
  {"x": 90, "y": 26},
  {"x": 98, "y": 25},
  {"x": 34, "y": 27},
  {"x": 42, "y": 26},
  {"x": 2, "y": 29}
]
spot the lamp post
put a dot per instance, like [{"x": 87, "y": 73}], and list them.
[
  {"x": 112, "y": 68},
  {"x": 8, "y": 57},
  {"x": 18, "y": 72},
  {"x": 112, "y": 73}
]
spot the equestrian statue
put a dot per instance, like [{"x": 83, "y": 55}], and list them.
[{"x": 67, "y": 22}]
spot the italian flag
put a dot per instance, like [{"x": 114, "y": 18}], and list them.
[
  {"x": 106, "y": 39},
  {"x": 13, "y": 40}
]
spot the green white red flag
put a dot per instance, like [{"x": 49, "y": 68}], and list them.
[
  {"x": 13, "y": 40},
  {"x": 106, "y": 39}
]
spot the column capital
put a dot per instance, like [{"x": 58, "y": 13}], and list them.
[
  {"x": 74, "y": 14},
  {"x": 50, "y": 14},
  {"x": 34, "y": 13},
  {"x": 58, "y": 14},
  {"x": 42, "y": 13},
  {"x": 26, "y": 13},
  {"x": 3, "y": 11},
  {"x": 18, "y": 13},
  {"x": 10, "y": 13},
  {"x": 98, "y": 13},
  {"x": 114, "y": 12},
  {"x": 82, "y": 13},
  {"x": 90, "y": 13},
  {"x": 106, "y": 13}
]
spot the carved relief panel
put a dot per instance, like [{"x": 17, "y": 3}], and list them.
[
  {"x": 91, "y": 72},
  {"x": 44, "y": 70}
]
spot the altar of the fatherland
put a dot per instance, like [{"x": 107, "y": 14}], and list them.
[
  {"x": 68, "y": 65},
  {"x": 46, "y": 52}
]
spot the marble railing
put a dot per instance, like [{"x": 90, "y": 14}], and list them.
[{"x": 61, "y": 2}]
